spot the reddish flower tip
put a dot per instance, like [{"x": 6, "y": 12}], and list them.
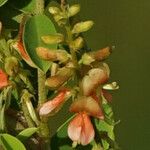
[
  {"x": 81, "y": 129},
  {"x": 3, "y": 79},
  {"x": 53, "y": 104},
  {"x": 88, "y": 105}
]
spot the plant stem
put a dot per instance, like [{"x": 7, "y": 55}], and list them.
[
  {"x": 44, "y": 128},
  {"x": 42, "y": 98},
  {"x": 70, "y": 39},
  {"x": 41, "y": 87}
]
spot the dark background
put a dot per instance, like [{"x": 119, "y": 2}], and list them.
[{"x": 125, "y": 24}]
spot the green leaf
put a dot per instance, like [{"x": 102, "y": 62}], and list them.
[
  {"x": 36, "y": 27},
  {"x": 10, "y": 142},
  {"x": 105, "y": 127},
  {"x": 26, "y": 133},
  {"x": 2, "y": 2}
]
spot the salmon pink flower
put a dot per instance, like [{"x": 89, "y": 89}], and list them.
[
  {"x": 80, "y": 129},
  {"x": 3, "y": 79},
  {"x": 54, "y": 104}
]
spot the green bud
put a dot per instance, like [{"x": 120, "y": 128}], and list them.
[
  {"x": 82, "y": 26},
  {"x": 11, "y": 65},
  {"x": 26, "y": 99},
  {"x": 73, "y": 10},
  {"x": 86, "y": 59},
  {"x": 60, "y": 17},
  {"x": 62, "y": 56},
  {"x": 53, "y": 39},
  {"x": 54, "y": 10},
  {"x": 77, "y": 44},
  {"x": 54, "y": 68}
]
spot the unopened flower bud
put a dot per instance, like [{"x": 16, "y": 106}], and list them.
[
  {"x": 60, "y": 78},
  {"x": 46, "y": 54},
  {"x": 82, "y": 26},
  {"x": 101, "y": 54},
  {"x": 86, "y": 59},
  {"x": 60, "y": 18},
  {"x": 11, "y": 65},
  {"x": 77, "y": 44},
  {"x": 62, "y": 56},
  {"x": 54, "y": 10},
  {"x": 53, "y": 39},
  {"x": 52, "y": 55},
  {"x": 73, "y": 10}
]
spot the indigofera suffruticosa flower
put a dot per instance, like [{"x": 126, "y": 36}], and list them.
[
  {"x": 3, "y": 79},
  {"x": 80, "y": 129},
  {"x": 52, "y": 106}
]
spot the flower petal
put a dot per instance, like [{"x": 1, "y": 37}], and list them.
[
  {"x": 53, "y": 104},
  {"x": 75, "y": 127},
  {"x": 88, "y": 105},
  {"x": 87, "y": 134},
  {"x": 3, "y": 79},
  {"x": 95, "y": 77},
  {"x": 81, "y": 129}
]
